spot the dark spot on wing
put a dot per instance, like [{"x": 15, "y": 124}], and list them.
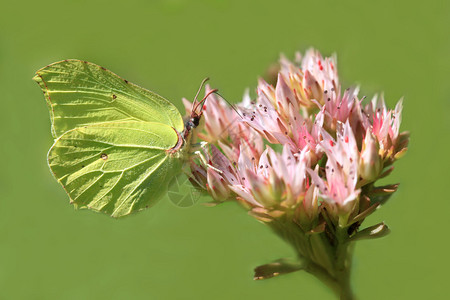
[
  {"x": 104, "y": 156},
  {"x": 126, "y": 81},
  {"x": 114, "y": 96}
]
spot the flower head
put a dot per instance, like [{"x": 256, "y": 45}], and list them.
[
  {"x": 331, "y": 141},
  {"x": 303, "y": 157}
]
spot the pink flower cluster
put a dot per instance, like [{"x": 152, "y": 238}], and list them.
[{"x": 300, "y": 147}]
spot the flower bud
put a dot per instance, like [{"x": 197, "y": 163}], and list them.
[
  {"x": 198, "y": 177},
  {"x": 217, "y": 186},
  {"x": 370, "y": 163},
  {"x": 314, "y": 90}
]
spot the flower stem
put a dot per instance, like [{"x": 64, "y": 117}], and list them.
[
  {"x": 340, "y": 285},
  {"x": 345, "y": 290},
  {"x": 322, "y": 274},
  {"x": 344, "y": 254},
  {"x": 336, "y": 276},
  {"x": 330, "y": 262}
]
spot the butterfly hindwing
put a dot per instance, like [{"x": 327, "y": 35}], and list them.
[
  {"x": 117, "y": 167},
  {"x": 80, "y": 93}
]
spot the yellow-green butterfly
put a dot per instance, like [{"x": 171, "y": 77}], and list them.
[{"x": 117, "y": 145}]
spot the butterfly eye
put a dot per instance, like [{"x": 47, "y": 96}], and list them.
[{"x": 195, "y": 121}]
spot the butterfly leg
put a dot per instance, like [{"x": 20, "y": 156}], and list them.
[{"x": 202, "y": 157}]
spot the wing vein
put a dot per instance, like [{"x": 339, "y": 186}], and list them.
[{"x": 137, "y": 185}]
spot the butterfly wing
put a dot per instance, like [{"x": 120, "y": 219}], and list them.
[
  {"x": 116, "y": 167},
  {"x": 80, "y": 93}
]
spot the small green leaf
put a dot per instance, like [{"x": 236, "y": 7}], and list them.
[
  {"x": 386, "y": 172},
  {"x": 318, "y": 229},
  {"x": 381, "y": 194},
  {"x": 361, "y": 216},
  {"x": 372, "y": 232},
  {"x": 278, "y": 267}
]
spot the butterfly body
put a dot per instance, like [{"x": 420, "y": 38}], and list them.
[{"x": 116, "y": 145}]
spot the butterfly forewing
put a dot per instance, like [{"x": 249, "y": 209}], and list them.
[
  {"x": 117, "y": 167},
  {"x": 80, "y": 93}
]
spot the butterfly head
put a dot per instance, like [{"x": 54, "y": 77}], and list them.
[{"x": 197, "y": 109}]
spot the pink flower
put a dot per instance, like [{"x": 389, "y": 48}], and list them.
[
  {"x": 332, "y": 145},
  {"x": 338, "y": 108},
  {"x": 384, "y": 124},
  {"x": 314, "y": 184},
  {"x": 272, "y": 179},
  {"x": 370, "y": 164},
  {"x": 311, "y": 78},
  {"x": 341, "y": 172},
  {"x": 282, "y": 124}
]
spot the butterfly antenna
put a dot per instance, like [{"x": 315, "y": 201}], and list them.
[
  {"x": 232, "y": 106},
  {"x": 200, "y": 88},
  {"x": 214, "y": 91}
]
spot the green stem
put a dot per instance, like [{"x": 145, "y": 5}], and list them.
[
  {"x": 343, "y": 278},
  {"x": 337, "y": 275},
  {"x": 329, "y": 262},
  {"x": 340, "y": 285},
  {"x": 344, "y": 254},
  {"x": 322, "y": 274}
]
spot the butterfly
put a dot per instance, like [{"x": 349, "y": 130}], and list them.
[{"x": 117, "y": 145}]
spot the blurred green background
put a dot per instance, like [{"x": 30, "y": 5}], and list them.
[{"x": 50, "y": 251}]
